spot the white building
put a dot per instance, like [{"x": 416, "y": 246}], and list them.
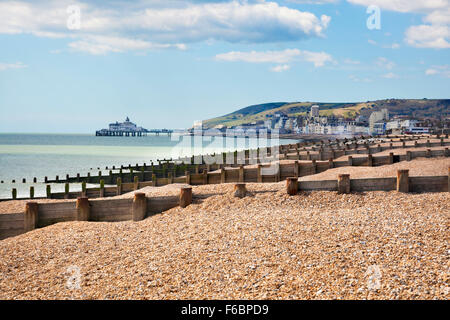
[
  {"x": 378, "y": 116},
  {"x": 124, "y": 126},
  {"x": 314, "y": 111}
]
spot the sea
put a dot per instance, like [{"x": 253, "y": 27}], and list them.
[{"x": 25, "y": 156}]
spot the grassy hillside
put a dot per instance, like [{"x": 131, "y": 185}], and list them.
[{"x": 418, "y": 108}]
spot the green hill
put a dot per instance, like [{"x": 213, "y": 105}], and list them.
[{"x": 256, "y": 114}]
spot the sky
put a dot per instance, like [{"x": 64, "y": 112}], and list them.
[{"x": 76, "y": 66}]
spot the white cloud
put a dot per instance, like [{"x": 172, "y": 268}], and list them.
[
  {"x": 99, "y": 45},
  {"x": 443, "y": 70},
  {"x": 390, "y": 75},
  {"x": 17, "y": 65},
  {"x": 384, "y": 63},
  {"x": 280, "y": 68},
  {"x": 428, "y": 36},
  {"x": 436, "y": 34},
  {"x": 314, "y": 1},
  {"x": 317, "y": 58},
  {"x": 373, "y": 42},
  {"x": 404, "y": 5},
  {"x": 161, "y": 22},
  {"x": 350, "y": 61},
  {"x": 358, "y": 79}
]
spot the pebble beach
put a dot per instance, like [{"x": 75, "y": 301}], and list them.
[{"x": 268, "y": 245}]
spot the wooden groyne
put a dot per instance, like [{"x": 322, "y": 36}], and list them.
[{"x": 315, "y": 158}]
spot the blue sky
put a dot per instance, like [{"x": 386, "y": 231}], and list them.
[{"x": 169, "y": 63}]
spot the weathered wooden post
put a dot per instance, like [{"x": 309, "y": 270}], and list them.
[
  {"x": 45, "y": 179},
  {"x": 259, "y": 173},
  {"x": 408, "y": 156},
  {"x": 185, "y": 196},
  {"x": 30, "y": 216},
  {"x": 139, "y": 208},
  {"x": 314, "y": 166},
  {"x": 391, "y": 157},
  {"x": 292, "y": 186},
  {"x": 102, "y": 188},
  {"x": 428, "y": 154},
  {"x": 14, "y": 193},
  {"x": 370, "y": 160},
  {"x": 24, "y": 180},
  {"x": 343, "y": 183},
  {"x": 66, "y": 190},
  {"x": 403, "y": 180},
  {"x": 446, "y": 152},
  {"x": 330, "y": 163},
  {"x": 31, "y": 192},
  {"x": 241, "y": 173},
  {"x": 415, "y": 143},
  {"x": 119, "y": 186},
  {"x": 83, "y": 209},
  {"x": 240, "y": 190},
  {"x": 428, "y": 143},
  {"x": 442, "y": 141},
  {"x": 222, "y": 175},
  {"x": 88, "y": 179},
  {"x": 188, "y": 177},
  {"x": 350, "y": 161},
  {"x": 78, "y": 177},
  {"x": 136, "y": 183},
  {"x": 205, "y": 176},
  {"x": 296, "y": 169},
  {"x": 169, "y": 177},
  {"x": 308, "y": 155},
  {"x": 34, "y": 180},
  {"x": 49, "y": 191},
  {"x": 111, "y": 179},
  {"x": 154, "y": 180}
]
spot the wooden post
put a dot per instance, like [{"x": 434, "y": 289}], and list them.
[
  {"x": 83, "y": 209},
  {"x": 185, "y": 196},
  {"x": 66, "y": 191},
  {"x": 136, "y": 183},
  {"x": 239, "y": 190},
  {"x": 292, "y": 186},
  {"x": 314, "y": 166},
  {"x": 428, "y": 143},
  {"x": 408, "y": 156},
  {"x": 139, "y": 208},
  {"x": 446, "y": 152},
  {"x": 14, "y": 193},
  {"x": 258, "y": 173},
  {"x": 154, "y": 179},
  {"x": 403, "y": 180},
  {"x": 370, "y": 160},
  {"x": 205, "y": 177},
  {"x": 442, "y": 141},
  {"x": 428, "y": 154},
  {"x": 102, "y": 188},
  {"x": 350, "y": 161},
  {"x": 241, "y": 173},
  {"x": 188, "y": 177},
  {"x": 170, "y": 177},
  {"x": 296, "y": 169},
  {"x": 45, "y": 179},
  {"x": 119, "y": 186},
  {"x": 30, "y": 216},
  {"x": 391, "y": 157},
  {"x": 330, "y": 163},
  {"x": 343, "y": 183},
  {"x": 415, "y": 143},
  {"x": 222, "y": 175},
  {"x": 308, "y": 155},
  {"x": 49, "y": 191},
  {"x": 31, "y": 192}
]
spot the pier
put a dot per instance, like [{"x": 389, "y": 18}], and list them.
[
  {"x": 131, "y": 133},
  {"x": 127, "y": 129}
]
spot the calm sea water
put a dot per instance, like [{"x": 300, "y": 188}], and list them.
[{"x": 39, "y": 155}]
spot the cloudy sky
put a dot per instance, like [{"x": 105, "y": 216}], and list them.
[{"x": 75, "y": 66}]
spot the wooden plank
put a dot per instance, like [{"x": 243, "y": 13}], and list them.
[
  {"x": 160, "y": 204},
  {"x": 13, "y": 224},
  {"x": 4, "y": 217},
  {"x": 428, "y": 184},
  {"x": 329, "y": 185},
  {"x": 373, "y": 184},
  {"x": 10, "y": 233}
]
